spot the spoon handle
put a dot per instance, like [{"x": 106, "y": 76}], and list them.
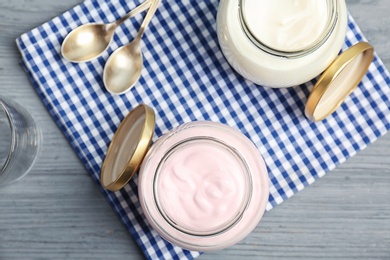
[
  {"x": 142, "y": 7},
  {"x": 148, "y": 17}
]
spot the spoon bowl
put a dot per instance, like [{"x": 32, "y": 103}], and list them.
[
  {"x": 123, "y": 68},
  {"x": 89, "y": 41}
]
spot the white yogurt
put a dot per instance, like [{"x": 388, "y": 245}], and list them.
[{"x": 286, "y": 24}]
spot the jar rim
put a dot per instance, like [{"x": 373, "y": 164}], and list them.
[
  {"x": 330, "y": 26},
  {"x": 235, "y": 217}
]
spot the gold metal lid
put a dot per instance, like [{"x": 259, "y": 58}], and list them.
[
  {"x": 338, "y": 81},
  {"x": 128, "y": 148}
]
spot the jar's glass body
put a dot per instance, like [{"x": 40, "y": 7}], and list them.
[
  {"x": 274, "y": 67},
  {"x": 203, "y": 186}
]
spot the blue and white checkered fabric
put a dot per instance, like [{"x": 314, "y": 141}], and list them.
[{"x": 186, "y": 78}]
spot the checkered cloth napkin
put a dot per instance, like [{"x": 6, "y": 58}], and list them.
[{"x": 186, "y": 78}]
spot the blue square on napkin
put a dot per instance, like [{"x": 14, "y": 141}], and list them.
[{"x": 186, "y": 78}]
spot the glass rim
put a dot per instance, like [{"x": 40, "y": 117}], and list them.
[
  {"x": 329, "y": 28},
  {"x": 4, "y": 108}
]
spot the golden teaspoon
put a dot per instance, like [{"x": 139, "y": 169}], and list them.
[{"x": 89, "y": 41}]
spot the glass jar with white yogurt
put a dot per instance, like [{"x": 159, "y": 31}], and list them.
[{"x": 281, "y": 43}]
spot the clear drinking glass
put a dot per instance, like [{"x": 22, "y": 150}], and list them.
[{"x": 20, "y": 140}]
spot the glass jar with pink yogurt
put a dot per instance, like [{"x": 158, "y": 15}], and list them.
[{"x": 203, "y": 186}]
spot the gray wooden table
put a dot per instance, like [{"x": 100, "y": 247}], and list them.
[{"x": 57, "y": 212}]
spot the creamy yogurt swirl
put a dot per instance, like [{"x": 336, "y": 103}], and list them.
[
  {"x": 201, "y": 186},
  {"x": 286, "y": 25}
]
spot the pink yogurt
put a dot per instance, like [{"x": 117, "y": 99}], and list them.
[{"x": 203, "y": 186}]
